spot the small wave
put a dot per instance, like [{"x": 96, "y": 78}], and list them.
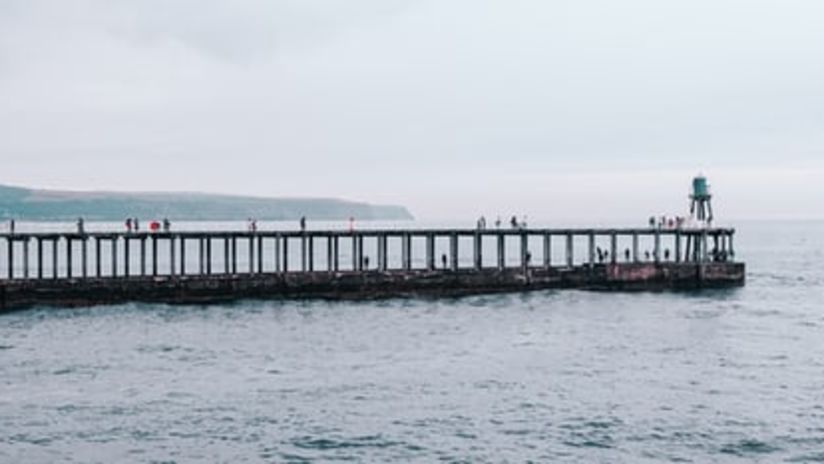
[
  {"x": 326, "y": 444},
  {"x": 814, "y": 457},
  {"x": 748, "y": 447}
]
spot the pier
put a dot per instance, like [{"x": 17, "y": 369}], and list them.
[{"x": 71, "y": 269}]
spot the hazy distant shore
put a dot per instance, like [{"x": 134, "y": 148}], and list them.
[{"x": 47, "y": 205}]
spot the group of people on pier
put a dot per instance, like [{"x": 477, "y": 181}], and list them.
[
  {"x": 133, "y": 225},
  {"x": 480, "y": 224}
]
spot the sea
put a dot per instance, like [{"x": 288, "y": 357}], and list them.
[{"x": 549, "y": 376}]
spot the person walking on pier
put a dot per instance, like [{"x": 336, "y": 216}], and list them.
[
  {"x": 129, "y": 225},
  {"x": 167, "y": 225},
  {"x": 80, "y": 226},
  {"x": 513, "y": 222},
  {"x": 11, "y": 226},
  {"x": 498, "y": 222},
  {"x": 136, "y": 225},
  {"x": 443, "y": 260},
  {"x": 303, "y": 223}
]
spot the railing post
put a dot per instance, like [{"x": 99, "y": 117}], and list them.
[
  {"x": 704, "y": 243},
  {"x": 226, "y": 255},
  {"x": 355, "y": 257},
  {"x": 84, "y": 253},
  {"x": 208, "y": 241},
  {"x": 657, "y": 251},
  {"x": 201, "y": 255},
  {"x": 732, "y": 249},
  {"x": 154, "y": 255},
  {"x": 547, "y": 250},
  {"x": 39, "y": 258},
  {"x": 635, "y": 247},
  {"x": 276, "y": 252},
  {"x": 501, "y": 241},
  {"x": 524, "y": 250},
  {"x": 678, "y": 246},
  {"x": 172, "y": 257},
  {"x": 613, "y": 247},
  {"x": 10, "y": 256},
  {"x": 260, "y": 254},
  {"x": 406, "y": 251},
  {"x": 251, "y": 254},
  {"x": 570, "y": 250},
  {"x": 360, "y": 252},
  {"x": 329, "y": 254},
  {"x": 311, "y": 252},
  {"x": 182, "y": 255},
  {"x": 477, "y": 246},
  {"x": 453, "y": 251},
  {"x": 26, "y": 257},
  {"x": 55, "y": 273},
  {"x": 285, "y": 253},
  {"x": 336, "y": 253},
  {"x": 430, "y": 251},
  {"x": 234, "y": 254},
  {"x": 303, "y": 257},
  {"x": 98, "y": 266},
  {"x": 69, "y": 242},
  {"x": 382, "y": 249},
  {"x": 143, "y": 256},
  {"x": 591, "y": 249},
  {"x": 114, "y": 256},
  {"x": 127, "y": 256}
]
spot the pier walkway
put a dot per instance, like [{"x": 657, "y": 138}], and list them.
[{"x": 66, "y": 269}]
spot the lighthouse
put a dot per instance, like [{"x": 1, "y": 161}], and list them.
[{"x": 701, "y": 201}]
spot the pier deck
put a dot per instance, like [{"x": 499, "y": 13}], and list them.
[{"x": 70, "y": 269}]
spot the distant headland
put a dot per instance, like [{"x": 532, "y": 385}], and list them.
[{"x": 52, "y": 205}]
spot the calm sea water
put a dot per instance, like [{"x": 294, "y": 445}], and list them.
[{"x": 716, "y": 376}]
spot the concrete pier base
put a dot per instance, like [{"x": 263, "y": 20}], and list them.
[{"x": 178, "y": 289}]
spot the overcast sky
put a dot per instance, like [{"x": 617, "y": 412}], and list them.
[{"x": 453, "y": 108}]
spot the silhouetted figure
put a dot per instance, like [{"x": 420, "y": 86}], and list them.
[
  {"x": 136, "y": 225},
  {"x": 528, "y": 258},
  {"x": 652, "y": 221},
  {"x": 627, "y": 254},
  {"x": 303, "y": 223},
  {"x": 11, "y": 226},
  {"x": 80, "y": 226},
  {"x": 513, "y": 222},
  {"x": 128, "y": 224},
  {"x": 481, "y": 223},
  {"x": 167, "y": 225},
  {"x": 667, "y": 254},
  {"x": 443, "y": 260},
  {"x": 498, "y": 222},
  {"x": 646, "y": 255},
  {"x": 366, "y": 262}
]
